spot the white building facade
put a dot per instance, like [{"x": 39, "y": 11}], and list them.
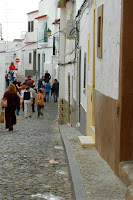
[
  {"x": 41, "y": 52},
  {"x": 91, "y": 71}
]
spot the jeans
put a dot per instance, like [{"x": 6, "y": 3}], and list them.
[
  {"x": 47, "y": 96},
  {"x": 17, "y": 111},
  {"x": 11, "y": 72},
  {"x": 7, "y": 82}
]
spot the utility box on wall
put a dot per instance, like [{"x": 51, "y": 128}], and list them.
[{"x": 71, "y": 32}]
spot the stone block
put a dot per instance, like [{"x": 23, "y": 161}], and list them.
[
  {"x": 129, "y": 193},
  {"x": 126, "y": 172},
  {"x": 86, "y": 141}
]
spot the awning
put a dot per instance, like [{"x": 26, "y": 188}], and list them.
[
  {"x": 41, "y": 17},
  {"x": 56, "y": 21},
  {"x": 33, "y": 12}
]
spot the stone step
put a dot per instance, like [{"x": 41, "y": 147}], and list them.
[
  {"x": 126, "y": 172},
  {"x": 129, "y": 193},
  {"x": 86, "y": 141},
  {"x": 126, "y": 175}
]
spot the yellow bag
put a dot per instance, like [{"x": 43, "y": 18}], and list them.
[{"x": 2, "y": 117}]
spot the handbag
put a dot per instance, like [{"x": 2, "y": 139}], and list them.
[
  {"x": 4, "y": 102},
  {"x": 2, "y": 117}
]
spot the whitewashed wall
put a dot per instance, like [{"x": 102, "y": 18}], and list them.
[
  {"x": 85, "y": 30},
  {"x": 32, "y": 36},
  {"x": 107, "y": 68},
  {"x": 69, "y": 54}
]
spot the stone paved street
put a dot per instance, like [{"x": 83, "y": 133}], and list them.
[{"x": 25, "y": 171}]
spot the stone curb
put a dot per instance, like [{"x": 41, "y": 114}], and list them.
[{"x": 74, "y": 171}]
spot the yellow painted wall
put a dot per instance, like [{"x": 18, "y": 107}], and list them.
[{"x": 89, "y": 108}]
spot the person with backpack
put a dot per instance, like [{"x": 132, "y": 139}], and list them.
[
  {"x": 8, "y": 78},
  {"x": 40, "y": 103},
  {"x": 28, "y": 100}
]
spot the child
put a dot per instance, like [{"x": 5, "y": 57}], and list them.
[{"x": 40, "y": 103}]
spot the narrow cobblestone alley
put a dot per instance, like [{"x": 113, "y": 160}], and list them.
[{"x": 25, "y": 171}]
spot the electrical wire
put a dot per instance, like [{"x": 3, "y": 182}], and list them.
[{"x": 29, "y": 44}]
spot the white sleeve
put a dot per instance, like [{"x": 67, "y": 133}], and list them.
[{"x": 31, "y": 95}]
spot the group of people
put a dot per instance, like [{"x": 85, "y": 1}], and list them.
[
  {"x": 27, "y": 96},
  {"x": 12, "y": 74},
  {"x": 44, "y": 81}
]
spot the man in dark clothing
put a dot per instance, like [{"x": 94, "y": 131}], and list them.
[
  {"x": 41, "y": 82},
  {"x": 55, "y": 89},
  {"x": 47, "y": 76}
]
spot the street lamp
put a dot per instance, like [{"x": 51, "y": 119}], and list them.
[{"x": 49, "y": 32}]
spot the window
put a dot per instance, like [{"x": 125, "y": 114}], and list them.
[
  {"x": 100, "y": 31},
  {"x": 84, "y": 72},
  {"x": 30, "y": 26},
  {"x": 43, "y": 33},
  {"x": 30, "y": 58}
]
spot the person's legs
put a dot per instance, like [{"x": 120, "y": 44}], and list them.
[
  {"x": 54, "y": 96},
  {"x": 38, "y": 109},
  {"x": 7, "y": 82},
  {"x": 47, "y": 95},
  {"x": 33, "y": 109},
  {"x": 29, "y": 108},
  {"x": 25, "y": 109},
  {"x": 17, "y": 111}
]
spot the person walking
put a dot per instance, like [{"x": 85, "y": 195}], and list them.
[
  {"x": 28, "y": 100},
  {"x": 40, "y": 103},
  {"x": 47, "y": 76},
  {"x": 47, "y": 89},
  {"x": 14, "y": 73},
  {"x": 41, "y": 82},
  {"x": 12, "y": 105},
  {"x": 23, "y": 89},
  {"x": 55, "y": 90},
  {"x": 34, "y": 97},
  {"x": 11, "y": 69},
  {"x": 8, "y": 78}
]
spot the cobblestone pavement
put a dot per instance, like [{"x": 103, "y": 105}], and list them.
[
  {"x": 25, "y": 171},
  {"x": 99, "y": 180}
]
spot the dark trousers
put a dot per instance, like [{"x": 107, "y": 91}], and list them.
[
  {"x": 33, "y": 108},
  {"x": 55, "y": 96},
  {"x": 7, "y": 82},
  {"x": 39, "y": 108}
]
